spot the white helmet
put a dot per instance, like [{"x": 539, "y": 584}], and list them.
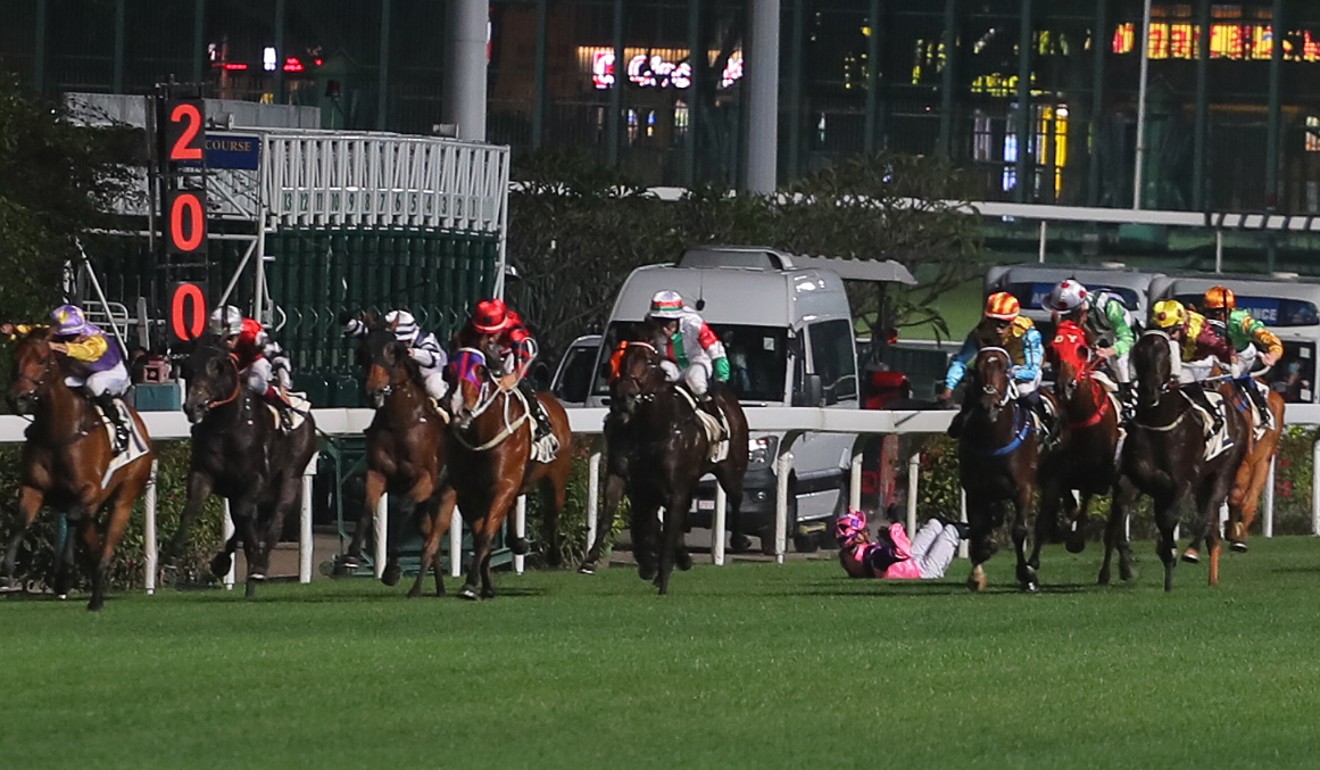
[
  {"x": 227, "y": 321},
  {"x": 404, "y": 326},
  {"x": 1068, "y": 295},
  {"x": 666, "y": 304}
]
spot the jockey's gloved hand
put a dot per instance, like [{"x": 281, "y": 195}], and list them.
[{"x": 345, "y": 317}]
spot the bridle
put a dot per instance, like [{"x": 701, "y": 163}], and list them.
[
  {"x": 212, "y": 403},
  {"x": 1167, "y": 386},
  {"x": 642, "y": 395},
  {"x": 1010, "y": 392}
]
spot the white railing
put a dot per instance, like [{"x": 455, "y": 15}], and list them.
[{"x": 791, "y": 421}]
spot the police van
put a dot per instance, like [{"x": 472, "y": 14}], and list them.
[
  {"x": 787, "y": 329},
  {"x": 1287, "y": 303},
  {"x": 1032, "y": 283}
]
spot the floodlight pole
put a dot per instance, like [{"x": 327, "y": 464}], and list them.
[{"x": 1144, "y": 42}]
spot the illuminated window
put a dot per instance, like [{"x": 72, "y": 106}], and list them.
[
  {"x": 1125, "y": 37},
  {"x": 681, "y": 118},
  {"x": 1312, "y": 133},
  {"x": 982, "y": 137}
]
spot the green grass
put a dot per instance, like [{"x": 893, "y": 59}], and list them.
[{"x": 753, "y": 665}]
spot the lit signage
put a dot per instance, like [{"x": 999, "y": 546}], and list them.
[{"x": 655, "y": 71}]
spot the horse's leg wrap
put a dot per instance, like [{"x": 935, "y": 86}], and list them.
[{"x": 106, "y": 402}]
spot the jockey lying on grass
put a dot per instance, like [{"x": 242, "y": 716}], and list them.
[
  {"x": 261, "y": 362},
  {"x": 1248, "y": 337},
  {"x": 891, "y": 555},
  {"x": 1002, "y": 326},
  {"x": 423, "y": 347}
]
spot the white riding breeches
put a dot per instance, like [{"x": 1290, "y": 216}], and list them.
[
  {"x": 1029, "y": 387},
  {"x": 1194, "y": 371},
  {"x": 696, "y": 376},
  {"x": 1122, "y": 368},
  {"x": 114, "y": 381},
  {"x": 934, "y": 547},
  {"x": 436, "y": 387},
  {"x": 1246, "y": 360}
]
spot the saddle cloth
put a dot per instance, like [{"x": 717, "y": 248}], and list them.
[
  {"x": 1215, "y": 443},
  {"x": 137, "y": 443},
  {"x": 717, "y": 434},
  {"x": 547, "y": 448},
  {"x": 301, "y": 408}
]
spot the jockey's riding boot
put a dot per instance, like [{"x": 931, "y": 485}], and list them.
[
  {"x": 1258, "y": 398},
  {"x": 106, "y": 402},
  {"x": 1203, "y": 401},
  {"x": 1127, "y": 400},
  {"x": 711, "y": 408},
  {"x": 282, "y": 408},
  {"x": 543, "y": 427}
]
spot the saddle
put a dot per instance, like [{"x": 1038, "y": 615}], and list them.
[
  {"x": 717, "y": 430},
  {"x": 299, "y": 408},
  {"x": 137, "y": 443},
  {"x": 1216, "y": 443}
]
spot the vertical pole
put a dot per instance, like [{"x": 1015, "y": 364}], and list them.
[
  {"x": 456, "y": 544},
  {"x": 1044, "y": 234},
  {"x": 795, "y": 46},
  {"x": 383, "y": 74},
  {"x": 717, "y": 533},
  {"x": 855, "y": 480},
  {"x": 226, "y": 532},
  {"x": 1315, "y": 486},
  {"x": 761, "y": 133},
  {"x": 39, "y": 49},
  {"x": 783, "y": 466},
  {"x": 520, "y": 532},
  {"x": 964, "y": 552},
  {"x": 1023, "y": 128},
  {"x": 697, "y": 63},
  {"x": 1201, "y": 130},
  {"x": 593, "y": 497},
  {"x": 947, "y": 80},
  {"x": 613, "y": 120},
  {"x": 1278, "y": 30},
  {"x": 280, "y": 13},
  {"x": 305, "y": 552},
  {"x": 1267, "y": 526},
  {"x": 914, "y": 478},
  {"x": 1219, "y": 250},
  {"x": 872, "y": 79},
  {"x": 199, "y": 40},
  {"x": 1097, "y": 101},
  {"x": 150, "y": 547},
  {"x": 465, "y": 79},
  {"x": 1143, "y": 40},
  {"x": 381, "y": 525},
  {"x": 539, "y": 95},
  {"x": 117, "y": 78}
]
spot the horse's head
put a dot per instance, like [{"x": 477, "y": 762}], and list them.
[
  {"x": 35, "y": 367},
  {"x": 472, "y": 384},
  {"x": 1152, "y": 365},
  {"x": 386, "y": 361},
  {"x": 1070, "y": 358},
  {"x": 992, "y": 385},
  {"x": 635, "y": 372},
  {"x": 211, "y": 376}
]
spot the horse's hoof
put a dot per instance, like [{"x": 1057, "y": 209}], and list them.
[
  {"x": 519, "y": 546},
  {"x": 1191, "y": 556},
  {"x": 1075, "y": 544},
  {"x": 391, "y": 575},
  {"x": 647, "y": 572},
  {"x": 62, "y": 597},
  {"x": 683, "y": 560},
  {"x": 413, "y": 592},
  {"x": 221, "y": 564},
  {"x": 468, "y": 594},
  {"x": 740, "y": 544},
  {"x": 259, "y": 577},
  {"x": 488, "y": 593},
  {"x": 1238, "y": 546},
  {"x": 587, "y": 568},
  {"x": 1103, "y": 580},
  {"x": 250, "y": 589},
  {"x": 348, "y": 562},
  {"x": 1031, "y": 587},
  {"x": 977, "y": 584}
]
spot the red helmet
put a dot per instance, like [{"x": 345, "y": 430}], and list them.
[{"x": 492, "y": 316}]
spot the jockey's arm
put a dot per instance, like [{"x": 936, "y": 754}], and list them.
[
  {"x": 1124, "y": 338},
  {"x": 87, "y": 350},
  {"x": 353, "y": 326},
  {"x": 1262, "y": 337},
  {"x": 1033, "y": 355},
  {"x": 715, "y": 349},
  {"x": 958, "y": 366},
  {"x": 428, "y": 354},
  {"x": 280, "y": 364}
]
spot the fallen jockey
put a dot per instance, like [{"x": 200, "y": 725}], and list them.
[
  {"x": 495, "y": 327},
  {"x": 262, "y": 365},
  {"x": 1251, "y": 340},
  {"x": 1003, "y": 326}
]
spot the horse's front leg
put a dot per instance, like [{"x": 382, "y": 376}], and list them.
[
  {"x": 1166, "y": 519},
  {"x": 614, "y": 486},
  {"x": 433, "y": 523},
  {"x": 1209, "y": 498},
  {"x": 1026, "y": 574},
  {"x": 1075, "y": 539},
  {"x": 980, "y": 549},
  {"x": 68, "y": 564},
  {"x": 1124, "y": 495},
  {"x": 30, "y": 500},
  {"x": 245, "y": 524},
  {"x": 374, "y": 482},
  {"x": 200, "y": 486},
  {"x": 672, "y": 538}
]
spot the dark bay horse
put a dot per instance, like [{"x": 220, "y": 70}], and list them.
[
  {"x": 405, "y": 441},
  {"x": 622, "y": 443},
  {"x": 65, "y": 460},
  {"x": 489, "y": 457},
  {"x": 239, "y": 453},
  {"x": 1085, "y": 457},
  {"x": 1163, "y": 456},
  {"x": 997, "y": 453},
  {"x": 672, "y": 452}
]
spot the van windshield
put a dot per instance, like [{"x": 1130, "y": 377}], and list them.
[{"x": 758, "y": 359}]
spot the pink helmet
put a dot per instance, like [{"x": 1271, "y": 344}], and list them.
[{"x": 848, "y": 527}]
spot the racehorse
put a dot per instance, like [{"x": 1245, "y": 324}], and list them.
[
  {"x": 1085, "y": 457},
  {"x": 239, "y": 453},
  {"x": 997, "y": 452},
  {"x": 672, "y": 452},
  {"x": 405, "y": 441},
  {"x": 1163, "y": 456},
  {"x": 65, "y": 463},
  {"x": 621, "y": 443},
  {"x": 489, "y": 456}
]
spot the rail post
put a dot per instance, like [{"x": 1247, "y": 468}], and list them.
[
  {"x": 150, "y": 546},
  {"x": 305, "y": 522},
  {"x": 1267, "y": 526},
  {"x": 717, "y": 526},
  {"x": 520, "y": 532},
  {"x": 914, "y": 478},
  {"x": 855, "y": 478},
  {"x": 456, "y": 544},
  {"x": 227, "y": 531},
  {"x": 593, "y": 497},
  {"x": 381, "y": 524}
]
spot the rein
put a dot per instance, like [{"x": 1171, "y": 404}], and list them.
[
  {"x": 484, "y": 403},
  {"x": 1025, "y": 430},
  {"x": 1025, "y": 424}
]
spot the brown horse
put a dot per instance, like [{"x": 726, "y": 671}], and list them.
[
  {"x": 64, "y": 465},
  {"x": 1084, "y": 459},
  {"x": 1163, "y": 456},
  {"x": 997, "y": 452},
  {"x": 621, "y": 443},
  {"x": 490, "y": 463},
  {"x": 405, "y": 443}
]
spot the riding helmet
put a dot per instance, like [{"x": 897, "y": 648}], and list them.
[
  {"x": 1219, "y": 298},
  {"x": 491, "y": 317},
  {"x": 1068, "y": 295},
  {"x": 69, "y": 321},
  {"x": 1168, "y": 313},
  {"x": 1002, "y": 306},
  {"x": 667, "y": 305}
]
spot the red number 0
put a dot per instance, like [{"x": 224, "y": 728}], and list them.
[
  {"x": 188, "y": 326},
  {"x": 184, "y": 148},
  {"x": 187, "y": 226}
]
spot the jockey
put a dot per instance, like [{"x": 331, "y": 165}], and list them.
[
  {"x": 1198, "y": 347},
  {"x": 1002, "y": 325},
  {"x": 1108, "y": 331},
  {"x": 96, "y": 365},
  {"x": 494, "y": 324},
  {"x": 423, "y": 347},
  {"x": 259, "y": 359},
  {"x": 1248, "y": 337},
  {"x": 693, "y": 353}
]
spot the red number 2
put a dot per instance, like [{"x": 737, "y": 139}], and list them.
[{"x": 184, "y": 149}]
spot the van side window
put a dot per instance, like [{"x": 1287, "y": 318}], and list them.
[{"x": 833, "y": 357}]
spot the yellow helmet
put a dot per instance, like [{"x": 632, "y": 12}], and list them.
[{"x": 1168, "y": 313}]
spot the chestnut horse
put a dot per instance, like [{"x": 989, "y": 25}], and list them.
[
  {"x": 65, "y": 460},
  {"x": 622, "y": 444},
  {"x": 239, "y": 453},
  {"x": 405, "y": 442},
  {"x": 997, "y": 452},
  {"x": 1163, "y": 456},
  {"x": 489, "y": 456},
  {"x": 1085, "y": 457}
]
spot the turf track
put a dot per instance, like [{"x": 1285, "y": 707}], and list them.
[{"x": 754, "y": 665}]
